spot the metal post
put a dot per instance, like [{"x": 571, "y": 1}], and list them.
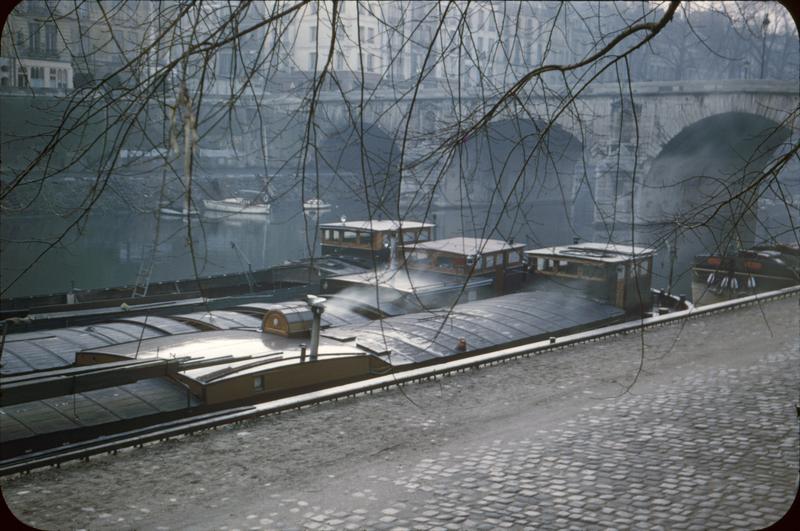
[
  {"x": 317, "y": 311},
  {"x": 317, "y": 308},
  {"x": 302, "y": 352}
]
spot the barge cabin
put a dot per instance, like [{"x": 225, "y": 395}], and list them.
[
  {"x": 371, "y": 241},
  {"x": 440, "y": 273},
  {"x": 617, "y": 274}
]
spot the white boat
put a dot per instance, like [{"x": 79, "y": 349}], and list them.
[
  {"x": 237, "y": 205},
  {"x": 315, "y": 204}
]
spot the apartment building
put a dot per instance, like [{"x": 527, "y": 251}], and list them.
[{"x": 49, "y": 44}]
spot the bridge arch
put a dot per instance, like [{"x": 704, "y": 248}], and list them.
[
  {"x": 700, "y": 186},
  {"x": 536, "y": 173},
  {"x": 355, "y": 169}
]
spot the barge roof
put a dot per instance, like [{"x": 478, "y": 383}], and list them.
[
  {"x": 409, "y": 281},
  {"x": 50, "y": 349},
  {"x": 338, "y": 311},
  {"x": 467, "y": 246},
  {"x": 609, "y": 253},
  {"x": 242, "y": 367},
  {"x": 220, "y": 319},
  {"x": 377, "y": 225},
  {"x": 93, "y": 408},
  {"x": 490, "y": 323},
  {"x": 233, "y": 344}
]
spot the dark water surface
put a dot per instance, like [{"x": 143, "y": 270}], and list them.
[{"x": 109, "y": 250}]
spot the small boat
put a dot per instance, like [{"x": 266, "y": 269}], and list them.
[
  {"x": 315, "y": 204},
  {"x": 237, "y": 205}
]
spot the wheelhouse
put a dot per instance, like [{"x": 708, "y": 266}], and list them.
[
  {"x": 618, "y": 274},
  {"x": 465, "y": 256},
  {"x": 370, "y": 239}
]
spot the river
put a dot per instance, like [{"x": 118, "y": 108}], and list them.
[{"x": 108, "y": 250}]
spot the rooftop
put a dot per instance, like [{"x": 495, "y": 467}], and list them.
[
  {"x": 239, "y": 367},
  {"x": 234, "y": 344},
  {"x": 377, "y": 225},
  {"x": 609, "y": 253},
  {"x": 467, "y": 246},
  {"x": 337, "y": 313},
  {"x": 92, "y": 408},
  {"x": 50, "y": 349},
  {"x": 409, "y": 281},
  {"x": 221, "y": 319},
  {"x": 489, "y": 323}
]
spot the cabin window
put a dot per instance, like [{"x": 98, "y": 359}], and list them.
[
  {"x": 489, "y": 261},
  {"x": 445, "y": 262},
  {"x": 258, "y": 383},
  {"x": 409, "y": 236},
  {"x": 349, "y": 236},
  {"x": 424, "y": 235},
  {"x": 568, "y": 268},
  {"x": 591, "y": 271}
]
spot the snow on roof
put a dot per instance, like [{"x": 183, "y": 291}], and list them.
[
  {"x": 376, "y": 225},
  {"x": 467, "y": 246},
  {"x": 595, "y": 252}
]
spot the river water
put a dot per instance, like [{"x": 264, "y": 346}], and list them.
[{"x": 109, "y": 250}]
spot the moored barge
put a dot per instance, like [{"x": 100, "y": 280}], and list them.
[{"x": 720, "y": 277}]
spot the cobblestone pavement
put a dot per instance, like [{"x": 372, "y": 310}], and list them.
[{"x": 707, "y": 438}]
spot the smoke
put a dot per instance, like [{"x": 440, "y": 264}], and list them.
[{"x": 357, "y": 299}]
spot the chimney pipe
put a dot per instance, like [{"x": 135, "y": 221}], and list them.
[{"x": 317, "y": 308}]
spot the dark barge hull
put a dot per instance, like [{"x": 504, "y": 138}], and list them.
[{"x": 748, "y": 272}]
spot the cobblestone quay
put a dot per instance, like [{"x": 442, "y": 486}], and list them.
[{"x": 706, "y": 438}]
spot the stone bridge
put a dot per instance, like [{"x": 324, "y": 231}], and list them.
[
  {"x": 599, "y": 157},
  {"x": 615, "y": 156}
]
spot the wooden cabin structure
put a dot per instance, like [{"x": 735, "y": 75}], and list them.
[
  {"x": 618, "y": 274},
  {"x": 370, "y": 240},
  {"x": 439, "y": 273},
  {"x": 471, "y": 257}
]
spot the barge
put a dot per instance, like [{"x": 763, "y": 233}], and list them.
[
  {"x": 439, "y": 273},
  {"x": 136, "y": 371},
  {"x": 342, "y": 254},
  {"x": 721, "y": 277}
]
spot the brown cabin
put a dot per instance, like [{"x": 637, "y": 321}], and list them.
[
  {"x": 618, "y": 274},
  {"x": 464, "y": 256},
  {"x": 367, "y": 239}
]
